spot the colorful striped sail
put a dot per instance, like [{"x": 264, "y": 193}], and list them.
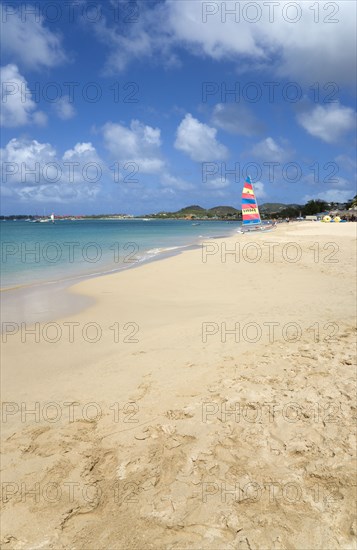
[{"x": 250, "y": 210}]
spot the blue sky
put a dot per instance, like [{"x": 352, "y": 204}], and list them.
[{"x": 146, "y": 106}]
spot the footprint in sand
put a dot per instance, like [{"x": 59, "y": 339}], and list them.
[
  {"x": 178, "y": 414},
  {"x": 143, "y": 389}
]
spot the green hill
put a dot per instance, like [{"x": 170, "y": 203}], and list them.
[
  {"x": 191, "y": 210},
  {"x": 196, "y": 211},
  {"x": 199, "y": 212},
  {"x": 224, "y": 211},
  {"x": 271, "y": 207},
  {"x": 229, "y": 212}
]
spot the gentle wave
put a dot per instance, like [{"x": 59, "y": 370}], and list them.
[{"x": 112, "y": 240}]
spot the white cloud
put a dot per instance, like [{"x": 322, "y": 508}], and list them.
[
  {"x": 259, "y": 190},
  {"x": 39, "y": 118},
  {"x": 211, "y": 37},
  {"x": 64, "y": 108},
  {"x": 341, "y": 182},
  {"x": 328, "y": 122},
  {"x": 84, "y": 164},
  {"x": 303, "y": 45},
  {"x": 217, "y": 183},
  {"x": 173, "y": 182},
  {"x": 21, "y": 151},
  {"x": 236, "y": 119},
  {"x": 17, "y": 105},
  {"x": 83, "y": 149},
  {"x": 27, "y": 41},
  {"x": 139, "y": 144},
  {"x": 150, "y": 37},
  {"x": 33, "y": 170},
  {"x": 199, "y": 141},
  {"x": 268, "y": 150},
  {"x": 290, "y": 39},
  {"x": 54, "y": 194}
]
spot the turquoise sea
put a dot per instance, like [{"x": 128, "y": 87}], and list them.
[{"x": 34, "y": 253}]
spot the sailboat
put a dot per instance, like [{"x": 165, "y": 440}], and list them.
[
  {"x": 45, "y": 220},
  {"x": 251, "y": 220}
]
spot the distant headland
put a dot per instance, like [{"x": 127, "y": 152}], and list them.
[{"x": 268, "y": 210}]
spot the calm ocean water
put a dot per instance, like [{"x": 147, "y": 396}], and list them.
[{"x": 40, "y": 252}]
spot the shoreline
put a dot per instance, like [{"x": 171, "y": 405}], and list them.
[
  {"x": 69, "y": 302},
  {"x": 147, "y": 254},
  {"x": 43, "y": 290}
]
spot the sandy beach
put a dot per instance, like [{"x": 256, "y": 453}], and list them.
[{"x": 205, "y": 401}]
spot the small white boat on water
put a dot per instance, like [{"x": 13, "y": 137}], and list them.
[{"x": 45, "y": 220}]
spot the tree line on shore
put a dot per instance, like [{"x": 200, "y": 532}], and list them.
[{"x": 268, "y": 211}]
